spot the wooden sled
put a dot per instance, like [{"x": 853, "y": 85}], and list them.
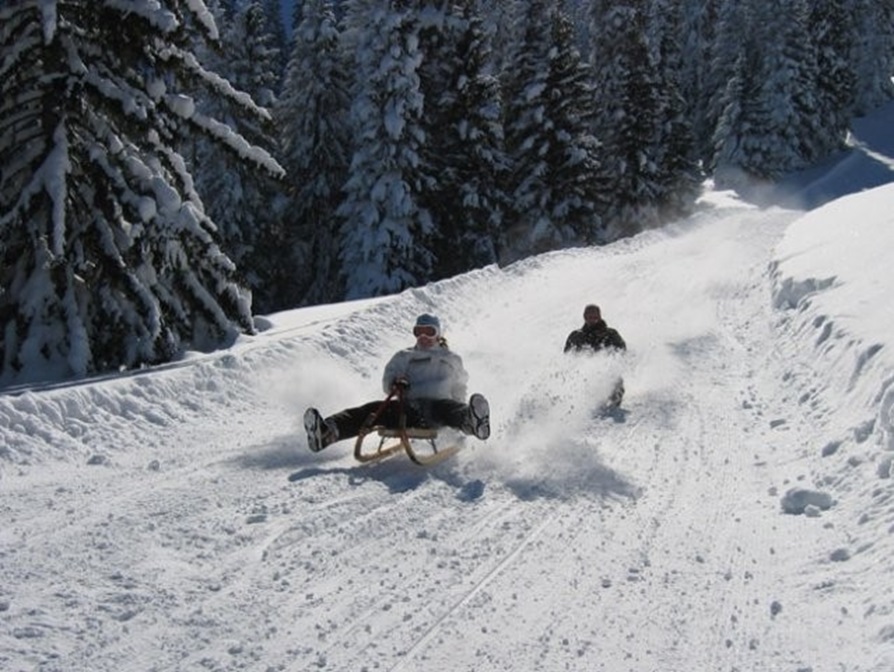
[
  {"x": 392, "y": 441},
  {"x": 401, "y": 438}
]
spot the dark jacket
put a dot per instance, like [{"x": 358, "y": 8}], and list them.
[{"x": 597, "y": 336}]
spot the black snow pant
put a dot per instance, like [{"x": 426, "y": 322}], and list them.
[{"x": 421, "y": 413}]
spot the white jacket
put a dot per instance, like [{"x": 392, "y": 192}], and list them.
[{"x": 433, "y": 373}]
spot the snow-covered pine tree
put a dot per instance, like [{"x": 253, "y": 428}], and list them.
[
  {"x": 699, "y": 79},
  {"x": 722, "y": 77},
  {"x": 386, "y": 235},
  {"x": 679, "y": 175},
  {"x": 797, "y": 85},
  {"x": 834, "y": 33},
  {"x": 107, "y": 258},
  {"x": 498, "y": 24},
  {"x": 736, "y": 104},
  {"x": 629, "y": 122},
  {"x": 524, "y": 83},
  {"x": 554, "y": 185},
  {"x": 281, "y": 42},
  {"x": 578, "y": 186},
  {"x": 873, "y": 55},
  {"x": 770, "y": 129},
  {"x": 463, "y": 155},
  {"x": 312, "y": 116},
  {"x": 239, "y": 199}
]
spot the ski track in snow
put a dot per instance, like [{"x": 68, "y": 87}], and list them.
[{"x": 205, "y": 536}]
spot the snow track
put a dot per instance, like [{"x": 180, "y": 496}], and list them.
[{"x": 206, "y": 537}]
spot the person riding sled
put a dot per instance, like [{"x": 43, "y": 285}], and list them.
[
  {"x": 595, "y": 336},
  {"x": 431, "y": 382}
]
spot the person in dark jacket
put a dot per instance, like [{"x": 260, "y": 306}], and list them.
[{"x": 596, "y": 336}]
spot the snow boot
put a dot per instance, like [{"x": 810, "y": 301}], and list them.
[
  {"x": 479, "y": 416},
  {"x": 617, "y": 396},
  {"x": 319, "y": 433}
]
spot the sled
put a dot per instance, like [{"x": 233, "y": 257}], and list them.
[{"x": 393, "y": 440}]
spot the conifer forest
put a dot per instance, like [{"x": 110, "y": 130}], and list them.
[{"x": 171, "y": 168}]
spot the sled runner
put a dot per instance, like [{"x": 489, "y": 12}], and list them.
[
  {"x": 393, "y": 440},
  {"x": 405, "y": 440}
]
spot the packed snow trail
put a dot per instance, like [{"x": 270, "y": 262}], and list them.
[{"x": 650, "y": 541}]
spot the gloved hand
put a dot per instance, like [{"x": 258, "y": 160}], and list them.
[{"x": 400, "y": 384}]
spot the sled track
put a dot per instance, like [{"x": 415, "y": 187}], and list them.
[{"x": 495, "y": 571}]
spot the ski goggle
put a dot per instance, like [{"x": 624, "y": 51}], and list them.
[{"x": 425, "y": 330}]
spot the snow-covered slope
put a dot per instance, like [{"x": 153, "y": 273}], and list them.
[{"x": 739, "y": 516}]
